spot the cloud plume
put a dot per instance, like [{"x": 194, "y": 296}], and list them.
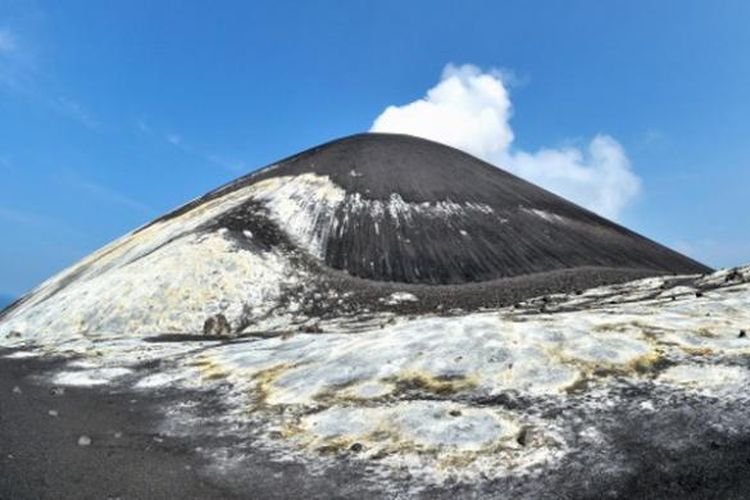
[{"x": 470, "y": 109}]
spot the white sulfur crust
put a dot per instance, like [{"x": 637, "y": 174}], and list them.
[
  {"x": 304, "y": 205},
  {"x": 171, "y": 290},
  {"x": 426, "y": 425},
  {"x": 399, "y": 297},
  {"x": 711, "y": 378},
  {"x": 543, "y": 214}
]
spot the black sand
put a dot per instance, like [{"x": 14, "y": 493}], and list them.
[
  {"x": 40, "y": 456},
  {"x": 693, "y": 447}
]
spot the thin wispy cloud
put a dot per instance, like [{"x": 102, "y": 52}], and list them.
[
  {"x": 652, "y": 138},
  {"x": 233, "y": 165},
  {"x": 170, "y": 137},
  {"x": 22, "y": 217},
  {"x": 17, "y": 63},
  {"x": 73, "y": 109},
  {"x": 7, "y": 41},
  {"x": 105, "y": 193},
  {"x": 143, "y": 127},
  {"x": 175, "y": 140},
  {"x": 471, "y": 109},
  {"x": 21, "y": 76},
  {"x": 74, "y": 180},
  {"x": 178, "y": 142}
]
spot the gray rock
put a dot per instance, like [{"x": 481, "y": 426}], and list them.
[{"x": 217, "y": 325}]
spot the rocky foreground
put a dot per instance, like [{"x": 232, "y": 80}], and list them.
[{"x": 632, "y": 389}]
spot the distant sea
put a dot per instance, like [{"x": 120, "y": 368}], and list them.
[{"x": 5, "y": 300}]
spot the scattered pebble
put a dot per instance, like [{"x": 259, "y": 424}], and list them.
[
  {"x": 84, "y": 441},
  {"x": 16, "y": 390},
  {"x": 523, "y": 436},
  {"x": 742, "y": 334},
  {"x": 118, "y": 435},
  {"x": 733, "y": 275},
  {"x": 217, "y": 326},
  {"x": 311, "y": 328},
  {"x": 53, "y": 413},
  {"x": 57, "y": 391},
  {"x": 647, "y": 405}
]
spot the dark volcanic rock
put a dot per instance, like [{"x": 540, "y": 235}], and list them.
[
  {"x": 420, "y": 212},
  {"x": 217, "y": 326}
]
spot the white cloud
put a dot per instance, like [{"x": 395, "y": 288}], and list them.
[{"x": 471, "y": 110}]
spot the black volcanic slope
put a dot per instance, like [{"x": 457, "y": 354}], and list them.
[{"x": 466, "y": 220}]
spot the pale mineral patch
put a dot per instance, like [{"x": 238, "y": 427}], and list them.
[
  {"x": 420, "y": 425},
  {"x": 399, "y": 297},
  {"x": 709, "y": 377},
  {"x": 305, "y": 205},
  {"x": 22, "y": 354},
  {"x": 97, "y": 376}
]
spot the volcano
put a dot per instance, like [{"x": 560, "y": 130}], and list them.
[
  {"x": 378, "y": 317},
  {"x": 360, "y": 217}
]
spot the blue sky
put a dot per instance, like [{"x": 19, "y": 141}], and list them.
[{"x": 114, "y": 112}]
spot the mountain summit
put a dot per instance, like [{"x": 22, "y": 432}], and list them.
[{"x": 405, "y": 209}]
